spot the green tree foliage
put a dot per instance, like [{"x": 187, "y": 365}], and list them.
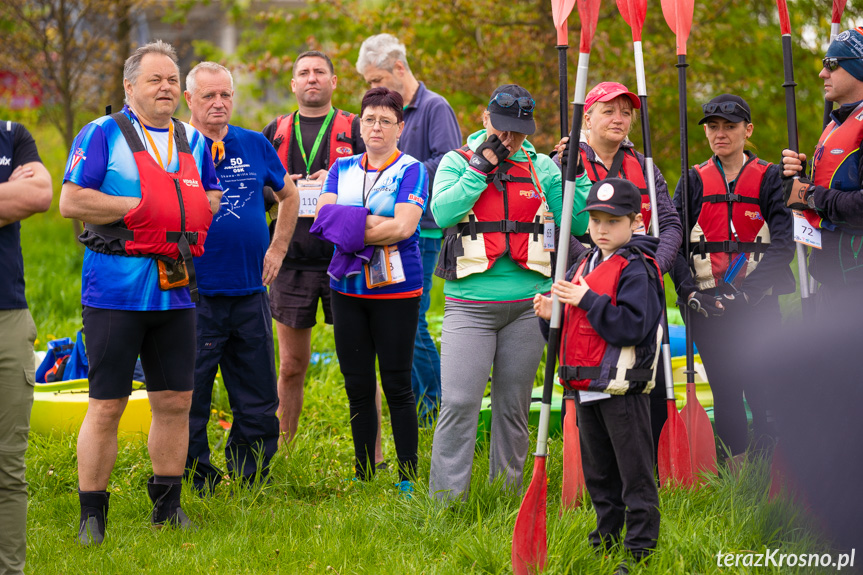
[
  {"x": 463, "y": 49},
  {"x": 75, "y": 48}
]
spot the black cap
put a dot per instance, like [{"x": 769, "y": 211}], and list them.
[
  {"x": 732, "y": 108},
  {"x": 614, "y": 196},
  {"x": 513, "y": 118}
]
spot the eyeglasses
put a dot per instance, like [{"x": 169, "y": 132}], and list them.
[
  {"x": 726, "y": 108},
  {"x": 831, "y": 63},
  {"x": 505, "y": 100},
  {"x": 385, "y": 123}
]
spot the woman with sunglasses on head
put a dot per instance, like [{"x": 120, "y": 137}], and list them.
[
  {"x": 606, "y": 152},
  {"x": 741, "y": 249},
  {"x": 497, "y": 200},
  {"x": 370, "y": 208}
]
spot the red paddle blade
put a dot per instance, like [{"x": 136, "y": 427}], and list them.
[
  {"x": 588, "y": 12},
  {"x": 702, "y": 445},
  {"x": 674, "y": 461},
  {"x": 838, "y": 8},
  {"x": 529, "y": 546},
  {"x": 560, "y": 10},
  {"x": 678, "y": 16},
  {"x": 784, "y": 20},
  {"x": 634, "y": 12},
  {"x": 573, "y": 477}
]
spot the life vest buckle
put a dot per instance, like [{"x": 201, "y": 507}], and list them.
[{"x": 508, "y": 226}]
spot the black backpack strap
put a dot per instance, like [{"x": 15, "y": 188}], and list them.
[
  {"x": 128, "y": 131},
  {"x": 616, "y": 164}
]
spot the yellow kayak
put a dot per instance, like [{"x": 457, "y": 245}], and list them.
[
  {"x": 702, "y": 389},
  {"x": 60, "y": 407}
]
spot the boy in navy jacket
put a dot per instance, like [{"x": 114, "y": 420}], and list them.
[{"x": 609, "y": 348}]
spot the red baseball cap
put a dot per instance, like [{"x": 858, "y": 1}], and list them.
[{"x": 607, "y": 91}]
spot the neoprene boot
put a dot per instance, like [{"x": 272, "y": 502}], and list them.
[
  {"x": 165, "y": 495},
  {"x": 94, "y": 516}
]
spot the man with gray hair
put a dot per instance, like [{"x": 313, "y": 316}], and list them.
[
  {"x": 431, "y": 130},
  {"x": 145, "y": 186},
  {"x": 234, "y": 324}
]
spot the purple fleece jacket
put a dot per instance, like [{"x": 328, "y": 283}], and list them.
[{"x": 344, "y": 226}]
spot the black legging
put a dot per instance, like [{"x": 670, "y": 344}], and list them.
[
  {"x": 728, "y": 343},
  {"x": 365, "y": 328}
]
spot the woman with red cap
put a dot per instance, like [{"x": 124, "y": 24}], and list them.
[
  {"x": 607, "y": 152},
  {"x": 738, "y": 264}
]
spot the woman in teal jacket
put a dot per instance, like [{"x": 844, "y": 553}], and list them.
[{"x": 499, "y": 202}]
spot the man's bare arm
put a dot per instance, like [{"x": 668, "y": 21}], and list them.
[
  {"x": 92, "y": 206},
  {"x": 27, "y": 192}
]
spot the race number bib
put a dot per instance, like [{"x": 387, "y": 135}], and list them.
[
  {"x": 548, "y": 232},
  {"x": 385, "y": 267},
  {"x": 804, "y": 233},
  {"x": 309, "y": 192}
]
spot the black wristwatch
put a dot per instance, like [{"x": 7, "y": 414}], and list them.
[{"x": 810, "y": 199}]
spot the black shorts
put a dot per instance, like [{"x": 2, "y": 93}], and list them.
[
  {"x": 294, "y": 296},
  {"x": 165, "y": 341}
]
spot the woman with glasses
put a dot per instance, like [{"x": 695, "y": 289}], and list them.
[
  {"x": 498, "y": 201},
  {"x": 370, "y": 208},
  {"x": 741, "y": 248},
  {"x": 607, "y": 152}
]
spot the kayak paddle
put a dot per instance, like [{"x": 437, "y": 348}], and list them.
[
  {"x": 573, "y": 479},
  {"x": 673, "y": 457},
  {"x": 702, "y": 447},
  {"x": 529, "y": 538},
  {"x": 560, "y": 10},
  {"x": 806, "y": 302}
]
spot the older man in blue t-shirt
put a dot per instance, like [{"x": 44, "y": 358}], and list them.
[{"x": 234, "y": 328}]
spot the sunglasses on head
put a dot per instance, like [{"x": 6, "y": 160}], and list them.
[
  {"x": 726, "y": 108},
  {"x": 831, "y": 63},
  {"x": 505, "y": 100}
]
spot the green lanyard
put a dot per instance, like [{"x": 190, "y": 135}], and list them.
[{"x": 320, "y": 137}]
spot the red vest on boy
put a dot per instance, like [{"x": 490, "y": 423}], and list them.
[
  {"x": 588, "y": 362},
  {"x": 508, "y": 218},
  {"x": 729, "y": 224}
]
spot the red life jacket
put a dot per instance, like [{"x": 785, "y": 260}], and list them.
[
  {"x": 836, "y": 168},
  {"x": 588, "y": 362},
  {"x": 172, "y": 220},
  {"x": 713, "y": 245},
  {"x": 628, "y": 167},
  {"x": 508, "y": 218},
  {"x": 341, "y": 138}
]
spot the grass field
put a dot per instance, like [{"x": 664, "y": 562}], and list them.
[{"x": 313, "y": 519}]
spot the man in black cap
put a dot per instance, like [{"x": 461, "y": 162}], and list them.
[
  {"x": 499, "y": 201},
  {"x": 616, "y": 296},
  {"x": 832, "y": 201}
]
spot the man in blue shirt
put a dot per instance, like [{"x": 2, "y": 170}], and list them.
[
  {"x": 25, "y": 189},
  {"x": 431, "y": 130},
  {"x": 234, "y": 324},
  {"x": 144, "y": 184}
]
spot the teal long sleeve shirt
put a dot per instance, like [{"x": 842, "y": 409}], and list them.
[{"x": 456, "y": 190}]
